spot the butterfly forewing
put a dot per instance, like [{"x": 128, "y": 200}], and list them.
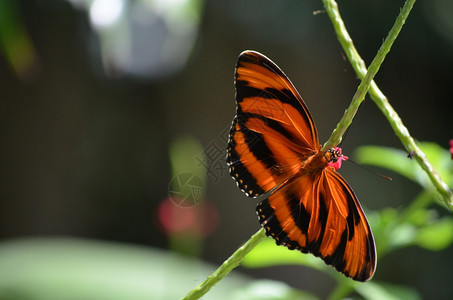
[
  {"x": 273, "y": 130},
  {"x": 263, "y": 89},
  {"x": 274, "y": 147}
]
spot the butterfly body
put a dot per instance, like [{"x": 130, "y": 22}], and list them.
[
  {"x": 274, "y": 150},
  {"x": 314, "y": 163}
]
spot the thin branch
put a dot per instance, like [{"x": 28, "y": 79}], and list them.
[
  {"x": 376, "y": 94},
  {"x": 228, "y": 265},
  {"x": 367, "y": 78}
]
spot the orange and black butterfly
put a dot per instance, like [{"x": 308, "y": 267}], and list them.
[{"x": 274, "y": 149}]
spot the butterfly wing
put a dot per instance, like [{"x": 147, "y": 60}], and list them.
[
  {"x": 271, "y": 135},
  {"x": 320, "y": 214},
  {"x": 273, "y": 130}
]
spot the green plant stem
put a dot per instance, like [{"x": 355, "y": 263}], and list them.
[
  {"x": 410, "y": 145},
  {"x": 228, "y": 265},
  {"x": 359, "y": 96},
  {"x": 378, "y": 97}
]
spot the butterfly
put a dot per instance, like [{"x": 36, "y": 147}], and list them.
[{"x": 273, "y": 149}]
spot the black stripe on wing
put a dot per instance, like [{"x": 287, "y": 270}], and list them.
[
  {"x": 255, "y": 150},
  {"x": 272, "y": 226},
  {"x": 245, "y": 90},
  {"x": 271, "y": 84}
]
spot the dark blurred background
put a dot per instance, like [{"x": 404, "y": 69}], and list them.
[{"x": 94, "y": 95}]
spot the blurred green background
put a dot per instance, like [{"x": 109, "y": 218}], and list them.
[{"x": 111, "y": 110}]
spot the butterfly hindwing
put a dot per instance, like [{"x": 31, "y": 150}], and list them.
[
  {"x": 359, "y": 258},
  {"x": 272, "y": 131},
  {"x": 319, "y": 214}
]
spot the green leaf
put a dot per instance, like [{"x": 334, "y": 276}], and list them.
[
  {"x": 376, "y": 290},
  {"x": 437, "y": 236},
  {"x": 391, "y": 159},
  {"x": 268, "y": 254},
  {"x": 270, "y": 290},
  {"x": 65, "y": 268},
  {"x": 187, "y": 156},
  {"x": 401, "y": 236},
  {"x": 382, "y": 218},
  {"x": 422, "y": 217},
  {"x": 397, "y": 161}
]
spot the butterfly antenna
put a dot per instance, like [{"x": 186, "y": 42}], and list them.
[
  {"x": 369, "y": 170},
  {"x": 362, "y": 166}
]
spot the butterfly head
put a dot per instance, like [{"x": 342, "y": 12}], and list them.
[{"x": 335, "y": 157}]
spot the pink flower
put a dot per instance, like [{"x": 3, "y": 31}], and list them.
[
  {"x": 201, "y": 219},
  {"x": 336, "y": 163},
  {"x": 451, "y": 148}
]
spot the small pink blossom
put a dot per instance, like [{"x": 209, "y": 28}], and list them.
[
  {"x": 340, "y": 157},
  {"x": 451, "y": 148},
  {"x": 200, "y": 219}
]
